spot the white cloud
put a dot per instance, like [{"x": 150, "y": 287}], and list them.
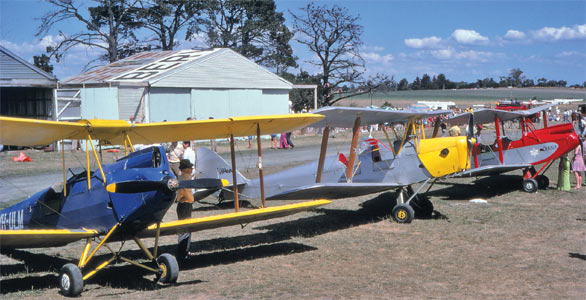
[
  {"x": 372, "y": 48},
  {"x": 514, "y": 35},
  {"x": 469, "y": 37},
  {"x": 424, "y": 43},
  {"x": 377, "y": 58},
  {"x": 552, "y": 34}
]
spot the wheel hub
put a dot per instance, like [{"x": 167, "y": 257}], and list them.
[{"x": 65, "y": 281}]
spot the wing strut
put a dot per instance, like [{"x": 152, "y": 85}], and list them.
[
  {"x": 499, "y": 140},
  {"x": 322, "y": 153},
  {"x": 234, "y": 181},
  {"x": 355, "y": 133},
  {"x": 260, "y": 171}
]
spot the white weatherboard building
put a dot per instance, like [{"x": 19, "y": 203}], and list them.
[{"x": 172, "y": 86}]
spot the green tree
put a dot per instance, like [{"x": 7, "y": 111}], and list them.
[
  {"x": 334, "y": 36},
  {"x": 43, "y": 63},
  {"x": 516, "y": 76},
  {"x": 403, "y": 85},
  {"x": 109, "y": 26},
  {"x": 416, "y": 85},
  {"x": 165, "y": 18},
  {"x": 302, "y": 99},
  {"x": 252, "y": 28},
  {"x": 425, "y": 82}
]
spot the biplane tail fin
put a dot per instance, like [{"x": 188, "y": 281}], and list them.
[{"x": 210, "y": 165}]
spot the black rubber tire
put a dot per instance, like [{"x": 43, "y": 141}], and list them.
[
  {"x": 422, "y": 206},
  {"x": 542, "y": 181},
  {"x": 70, "y": 280},
  {"x": 403, "y": 213},
  {"x": 530, "y": 185},
  {"x": 170, "y": 267}
]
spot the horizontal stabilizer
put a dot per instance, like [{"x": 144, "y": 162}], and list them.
[
  {"x": 39, "y": 238},
  {"x": 242, "y": 217},
  {"x": 333, "y": 190},
  {"x": 490, "y": 170}
]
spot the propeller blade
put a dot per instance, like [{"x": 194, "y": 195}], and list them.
[
  {"x": 142, "y": 186},
  {"x": 204, "y": 183},
  {"x": 471, "y": 125},
  {"x": 136, "y": 186}
]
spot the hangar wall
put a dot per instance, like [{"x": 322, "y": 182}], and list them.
[
  {"x": 238, "y": 102},
  {"x": 100, "y": 103}
]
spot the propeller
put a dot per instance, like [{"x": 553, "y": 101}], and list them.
[{"x": 171, "y": 184}]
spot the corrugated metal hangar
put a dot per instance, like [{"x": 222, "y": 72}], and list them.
[
  {"x": 25, "y": 90},
  {"x": 175, "y": 85}
]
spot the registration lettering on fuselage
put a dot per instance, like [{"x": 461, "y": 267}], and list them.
[{"x": 12, "y": 220}]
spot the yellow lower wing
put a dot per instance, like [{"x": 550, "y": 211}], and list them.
[
  {"x": 243, "y": 217},
  {"x": 38, "y": 238}
]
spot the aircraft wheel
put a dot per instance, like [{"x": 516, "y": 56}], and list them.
[
  {"x": 422, "y": 206},
  {"x": 542, "y": 181},
  {"x": 530, "y": 185},
  {"x": 403, "y": 213},
  {"x": 70, "y": 280},
  {"x": 168, "y": 263}
]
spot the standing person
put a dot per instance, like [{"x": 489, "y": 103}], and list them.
[
  {"x": 289, "y": 140},
  {"x": 578, "y": 166},
  {"x": 283, "y": 141},
  {"x": 184, "y": 208},
  {"x": 188, "y": 152},
  {"x": 274, "y": 144},
  {"x": 174, "y": 155}
]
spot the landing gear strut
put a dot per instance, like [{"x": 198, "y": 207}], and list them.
[
  {"x": 71, "y": 278},
  {"x": 416, "y": 206}
]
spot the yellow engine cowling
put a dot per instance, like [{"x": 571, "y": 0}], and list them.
[{"x": 445, "y": 155}]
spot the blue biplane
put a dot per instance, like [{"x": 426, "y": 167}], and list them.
[{"x": 125, "y": 200}]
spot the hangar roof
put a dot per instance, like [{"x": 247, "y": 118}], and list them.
[
  {"x": 213, "y": 68},
  {"x": 17, "y": 72}
]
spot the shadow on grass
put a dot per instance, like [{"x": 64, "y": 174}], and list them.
[
  {"x": 485, "y": 187},
  {"x": 223, "y": 250},
  {"x": 577, "y": 255}
]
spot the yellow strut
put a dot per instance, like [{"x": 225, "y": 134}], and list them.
[
  {"x": 87, "y": 155},
  {"x": 64, "y": 176},
  {"x": 85, "y": 252},
  {"x": 96, "y": 157},
  {"x": 101, "y": 266},
  {"x": 99, "y": 245}
]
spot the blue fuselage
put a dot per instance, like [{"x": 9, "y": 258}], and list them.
[{"x": 96, "y": 208}]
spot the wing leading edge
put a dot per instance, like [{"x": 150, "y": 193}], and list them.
[
  {"x": 334, "y": 190},
  {"x": 39, "y": 238},
  {"x": 223, "y": 220}
]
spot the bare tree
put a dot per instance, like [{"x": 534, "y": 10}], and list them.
[
  {"x": 108, "y": 26},
  {"x": 334, "y": 36}
]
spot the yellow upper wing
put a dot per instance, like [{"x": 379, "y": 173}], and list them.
[
  {"x": 31, "y": 132},
  {"x": 243, "y": 217},
  {"x": 38, "y": 238}
]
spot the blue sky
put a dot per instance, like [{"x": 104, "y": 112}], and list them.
[{"x": 466, "y": 40}]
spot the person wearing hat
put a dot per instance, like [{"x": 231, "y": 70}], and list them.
[{"x": 184, "y": 203}]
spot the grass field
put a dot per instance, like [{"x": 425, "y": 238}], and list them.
[
  {"x": 465, "y": 97},
  {"x": 517, "y": 246}
]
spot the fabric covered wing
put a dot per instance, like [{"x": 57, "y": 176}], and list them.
[
  {"x": 39, "y": 238},
  {"x": 345, "y": 116},
  {"x": 243, "y": 217},
  {"x": 333, "y": 191},
  {"x": 490, "y": 170},
  {"x": 32, "y": 132},
  {"x": 484, "y": 116},
  {"x": 218, "y": 128}
]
